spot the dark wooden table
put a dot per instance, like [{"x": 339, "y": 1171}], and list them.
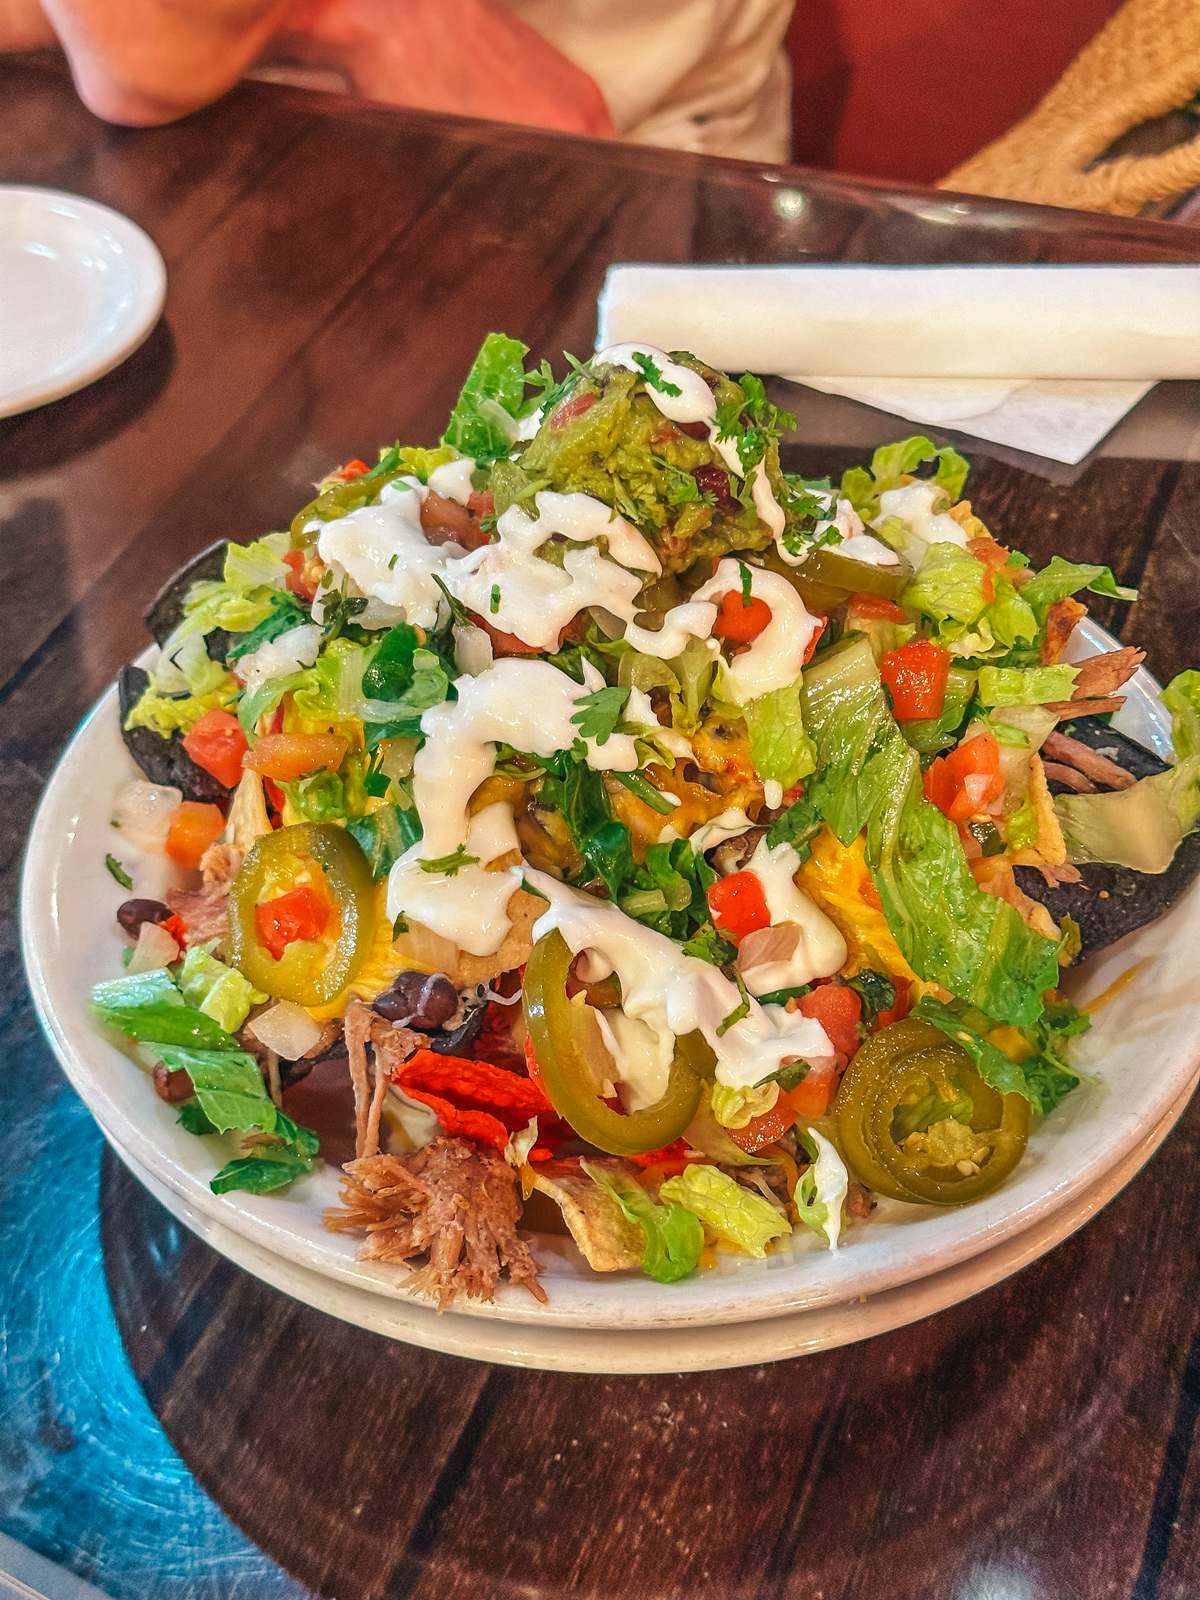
[{"x": 169, "y": 1426}]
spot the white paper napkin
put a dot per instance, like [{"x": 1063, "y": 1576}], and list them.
[{"x": 1040, "y": 358}]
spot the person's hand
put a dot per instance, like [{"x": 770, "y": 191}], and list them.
[{"x": 461, "y": 56}]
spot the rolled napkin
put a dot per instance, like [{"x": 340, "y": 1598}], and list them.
[{"x": 855, "y": 321}]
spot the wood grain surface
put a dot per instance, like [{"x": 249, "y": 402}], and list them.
[{"x": 331, "y": 272}]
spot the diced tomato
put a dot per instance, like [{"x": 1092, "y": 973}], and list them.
[
  {"x": 900, "y": 1010},
  {"x": 810, "y": 648},
  {"x": 916, "y": 676},
  {"x": 177, "y": 928},
  {"x": 741, "y": 621},
  {"x": 300, "y": 914},
  {"x": 504, "y": 644},
  {"x": 299, "y": 581},
  {"x": 573, "y": 406},
  {"x": 351, "y": 470},
  {"x": 963, "y": 783},
  {"x": 994, "y": 556},
  {"x": 193, "y": 827},
  {"x": 875, "y": 608},
  {"x": 216, "y": 743},
  {"x": 809, "y": 1099},
  {"x": 292, "y": 755},
  {"x": 838, "y": 1009},
  {"x": 738, "y": 904}
]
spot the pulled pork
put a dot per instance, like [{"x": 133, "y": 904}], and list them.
[
  {"x": 1081, "y": 759},
  {"x": 391, "y": 1045},
  {"x": 1099, "y": 678},
  {"x": 205, "y": 911},
  {"x": 453, "y": 1202}
]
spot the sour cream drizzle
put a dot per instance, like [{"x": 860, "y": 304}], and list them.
[
  {"x": 676, "y": 994},
  {"x": 920, "y": 508},
  {"x": 385, "y": 554},
  {"x": 775, "y": 658},
  {"x": 819, "y": 949},
  {"x": 696, "y": 402}
]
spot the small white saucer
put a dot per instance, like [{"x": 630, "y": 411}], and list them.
[{"x": 80, "y": 288}]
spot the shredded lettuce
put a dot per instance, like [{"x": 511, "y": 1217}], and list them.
[
  {"x": 779, "y": 747},
  {"x": 737, "y": 1107},
  {"x": 737, "y": 1215},
  {"x": 1061, "y": 578},
  {"x": 149, "y": 1007},
  {"x": 259, "y": 564},
  {"x": 674, "y": 1237},
  {"x": 821, "y": 1190},
  {"x": 219, "y": 991},
  {"x": 1182, "y": 699},
  {"x": 483, "y": 422},
  {"x": 384, "y": 835},
  {"x": 949, "y": 589},
  {"x": 891, "y": 462},
  {"x": 949, "y": 931},
  {"x": 179, "y": 713},
  {"x": 1140, "y": 827},
  {"x": 694, "y": 671},
  {"x": 1026, "y": 686}
]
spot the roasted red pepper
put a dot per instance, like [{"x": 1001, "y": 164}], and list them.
[
  {"x": 739, "y": 905},
  {"x": 740, "y": 620},
  {"x": 299, "y": 914}
]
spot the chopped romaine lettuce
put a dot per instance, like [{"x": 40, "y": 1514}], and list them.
[
  {"x": 1061, "y": 578},
  {"x": 949, "y": 931},
  {"x": 737, "y": 1215},
  {"x": 779, "y": 747},
  {"x": 674, "y": 1237},
  {"x": 1041, "y": 1076},
  {"x": 179, "y": 713},
  {"x": 385, "y": 835},
  {"x": 1182, "y": 699},
  {"x": 1026, "y": 686},
  {"x": 950, "y": 588},
  {"x": 483, "y": 422},
  {"x": 1140, "y": 827},
  {"x": 891, "y": 462},
  {"x": 220, "y": 992}
]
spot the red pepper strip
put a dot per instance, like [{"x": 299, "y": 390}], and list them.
[
  {"x": 177, "y": 928},
  {"x": 916, "y": 676},
  {"x": 471, "y": 1098},
  {"x": 810, "y": 648}
]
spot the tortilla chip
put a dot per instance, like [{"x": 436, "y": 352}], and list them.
[{"x": 607, "y": 1242}]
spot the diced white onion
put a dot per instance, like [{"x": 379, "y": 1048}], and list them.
[
  {"x": 155, "y": 948},
  {"x": 285, "y": 1028},
  {"x": 142, "y": 811}
]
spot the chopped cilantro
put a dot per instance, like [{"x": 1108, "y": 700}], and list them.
[
  {"x": 392, "y": 559},
  {"x": 596, "y": 715},
  {"x": 399, "y": 926},
  {"x": 652, "y": 375},
  {"x": 118, "y": 872},
  {"x": 337, "y": 609},
  {"x": 449, "y": 865},
  {"x": 645, "y": 792},
  {"x": 494, "y": 599},
  {"x": 742, "y": 1009},
  {"x": 747, "y": 582}
]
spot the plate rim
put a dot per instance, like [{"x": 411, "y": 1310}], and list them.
[
  {"x": 42, "y": 857},
  {"x": 151, "y": 273}
]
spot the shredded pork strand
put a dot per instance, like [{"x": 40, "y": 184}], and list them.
[
  {"x": 1069, "y": 778},
  {"x": 453, "y": 1202},
  {"x": 205, "y": 911},
  {"x": 1098, "y": 768},
  {"x": 1097, "y": 679},
  {"x": 390, "y": 1045}
]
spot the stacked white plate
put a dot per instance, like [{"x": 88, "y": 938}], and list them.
[{"x": 1140, "y": 1059}]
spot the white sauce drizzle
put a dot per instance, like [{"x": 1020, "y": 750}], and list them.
[
  {"x": 470, "y": 907},
  {"x": 675, "y": 994},
  {"x": 775, "y": 658},
  {"x": 914, "y": 505},
  {"x": 384, "y": 553},
  {"x": 453, "y": 479},
  {"x": 819, "y": 949}
]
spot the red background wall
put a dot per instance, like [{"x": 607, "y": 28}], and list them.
[{"x": 908, "y": 88}]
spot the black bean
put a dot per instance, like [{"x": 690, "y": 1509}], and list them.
[
  {"x": 132, "y": 913},
  {"x": 418, "y": 999}
]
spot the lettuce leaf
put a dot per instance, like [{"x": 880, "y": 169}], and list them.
[
  {"x": 219, "y": 991},
  {"x": 891, "y": 462},
  {"x": 1061, "y": 578},
  {"x": 674, "y": 1237},
  {"x": 779, "y": 747},
  {"x": 797, "y": 826},
  {"x": 821, "y": 1190},
  {"x": 949, "y": 589},
  {"x": 149, "y": 1007},
  {"x": 179, "y": 713},
  {"x": 1140, "y": 827},
  {"x": 384, "y": 835},
  {"x": 483, "y": 422},
  {"x": 949, "y": 931},
  {"x": 1026, "y": 686},
  {"x": 274, "y": 1161},
  {"x": 257, "y": 565},
  {"x": 1182, "y": 699},
  {"x": 737, "y": 1215}
]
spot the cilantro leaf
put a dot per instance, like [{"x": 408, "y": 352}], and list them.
[
  {"x": 652, "y": 375},
  {"x": 449, "y": 865},
  {"x": 596, "y": 715},
  {"x": 118, "y": 872}
]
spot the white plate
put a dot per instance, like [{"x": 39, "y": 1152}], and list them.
[
  {"x": 697, "y": 1349},
  {"x": 1140, "y": 1056},
  {"x": 80, "y": 288}
]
